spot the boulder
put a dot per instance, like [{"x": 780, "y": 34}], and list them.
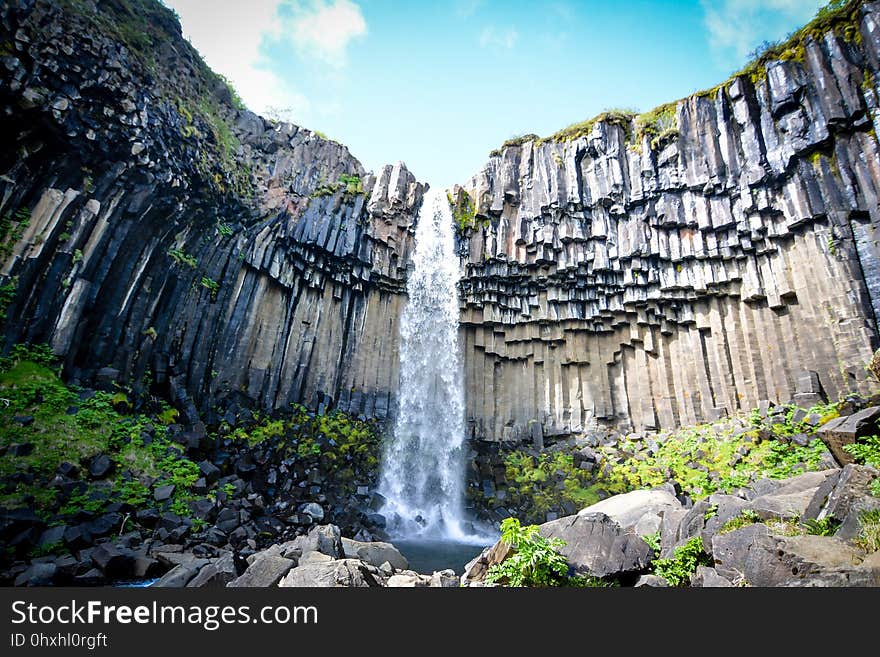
[
  {"x": 114, "y": 561},
  {"x": 313, "y": 510},
  {"x": 180, "y": 575},
  {"x": 265, "y": 570},
  {"x": 100, "y": 466},
  {"x": 478, "y": 567},
  {"x": 444, "y": 579},
  {"x": 757, "y": 557},
  {"x": 653, "y": 581},
  {"x": 406, "y": 580},
  {"x": 841, "y": 492},
  {"x": 845, "y": 430},
  {"x": 37, "y": 574},
  {"x": 629, "y": 510},
  {"x": 707, "y": 577},
  {"x": 162, "y": 493},
  {"x": 215, "y": 574},
  {"x": 347, "y": 573},
  {"x": 375, "y": 553},
  {"x": 322, "y": 538},
  {"x": 596, "y": 545}
]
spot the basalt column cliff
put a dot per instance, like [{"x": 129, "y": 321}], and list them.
[
  {"x": 631, "y": 271},
  {"x": 667, "y": 269},
  {"x": 156, "y": 232}
]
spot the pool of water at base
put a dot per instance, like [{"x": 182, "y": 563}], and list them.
[{"x": 427, "y": 555}]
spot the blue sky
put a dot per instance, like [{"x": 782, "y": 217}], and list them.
[{"x": 439, "y": 84}]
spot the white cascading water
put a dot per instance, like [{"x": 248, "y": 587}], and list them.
[{"x": 423, "y": 468}]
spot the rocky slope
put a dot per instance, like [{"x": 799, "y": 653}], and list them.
[
  {"x": 667, "y": 269},
  {"x": 158, "y": 233}
]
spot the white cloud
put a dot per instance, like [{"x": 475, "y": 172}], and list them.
[
  {"x": 229, "y": 36},
  {"x": 323, "y": 29},
  {"x": 467, "y": 8},
  {"x": 738, "y": 26},
  {"x": 494, "y": 37}
]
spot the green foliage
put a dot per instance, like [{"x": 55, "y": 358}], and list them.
[
  {"x": 182, "y": 258},
  {"x": 745, "y": 518},
  {"x": 678, "y": 568},
  {"x": 261, "y": 432},
  {"x": 167, "y": 415},
  {"x": 721, "y": 456},
  {"x": 618, "y": 117},
  {"x": 464, "y": 211},
  {"x": 211, "y": 285},
  {"x": 824, "y": 527},
  {"x": 77, "y": 256},
  {"x": 96, "y": 427},
  {"x": 535, "y": 561},
  {"x": 865, "y": 450},
  {"x": 229, "y": 489},
  {"x": 531, "y": 483},
  {"x": 659, "y": 125},
  {"x": 711, "y": 512},
  {"x": 7, "y": 295},
  {"x": 841, "y": 17},
  {"x": 653, "y": 541},
  {"x": 12, "y": 227},
  {"x": 351, "y": 184},
  {"x": 875, "y": 487},
  {"x": 224, "y": 230},
  {"x": 869, "y": 531}
]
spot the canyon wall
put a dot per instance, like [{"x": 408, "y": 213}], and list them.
[
  {"x": 157, "y": 233},
  {"x": 636, "y": 280}
]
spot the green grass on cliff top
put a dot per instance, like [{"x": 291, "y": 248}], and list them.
[{"x": 838, "y": 16}]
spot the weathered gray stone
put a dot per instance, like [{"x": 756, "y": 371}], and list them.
[
  {"x": 596, "y": 545},
  {"x": 840, "y": 491},
  {"x": 755, "y": 556},
  {"x": 324, "y": 538},
  {"x": 218, "y": 573},
  {"x": 333, "y": 573},
  {"x": 845, "y": 430},
  {"x": 375, "y": 553},
  {"x": 628, "y": 509},
  {"x": 264, "y": 571},
  {"x": 706, "y": 577}
]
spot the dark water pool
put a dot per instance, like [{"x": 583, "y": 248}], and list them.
[{"x": 425, "y": 556}]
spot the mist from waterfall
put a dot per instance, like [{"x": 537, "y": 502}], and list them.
[{"x": 423, "y": 467}]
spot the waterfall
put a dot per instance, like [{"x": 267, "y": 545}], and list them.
[{"x": 423, "y": 468}]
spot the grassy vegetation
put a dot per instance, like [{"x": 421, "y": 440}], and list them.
[
  {"x": 67, "y": 428},
  {"x": 542, "y": 483},
  {"x": 869, "y": 532},
  {"x": 351, "y": 184},
  {"x": 182, "y": 258},
  {"x": 678, "y": 569},
  {"x": 12, "y": 227},
  {"x": 722, "y": 456},
  {"x": 658, "y": 124},
  {"x": 535, "y": 561},
  {"x": 336, "y": 442},
  {"x": 464, "y": 211}
]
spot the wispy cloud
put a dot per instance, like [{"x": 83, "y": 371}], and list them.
[
  {"x": 736, "y": 27},
  {"x": 229, "y": 35},
  {"x": 495, "y": 37},
  {"x": 467, "y": 8},
  {"x": 323, "y": 29}
]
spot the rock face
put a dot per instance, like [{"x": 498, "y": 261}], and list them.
[
  {"x": 619, "y": 280},
  {"x": 183, "y": 242}
]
